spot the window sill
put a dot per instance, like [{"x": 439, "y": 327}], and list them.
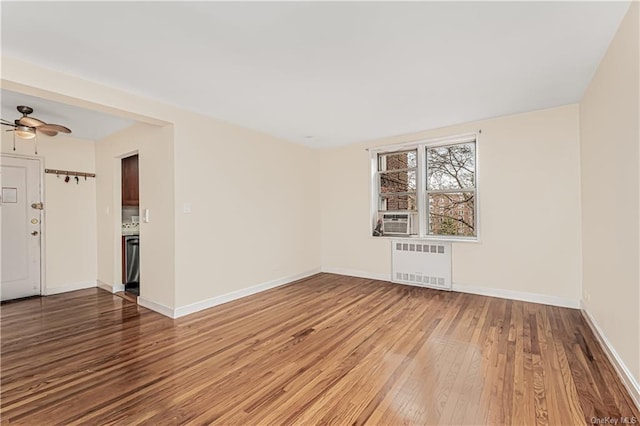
[{"x": 428, "y": 238}]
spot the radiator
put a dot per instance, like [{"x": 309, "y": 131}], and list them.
[{"x": 421, "y": 263}]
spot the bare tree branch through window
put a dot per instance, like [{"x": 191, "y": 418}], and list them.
[{"x": 451, "y": 189}]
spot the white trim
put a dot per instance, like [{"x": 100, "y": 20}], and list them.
[
  {"x": 478, "y": 178},
  {"x": 518, "y": 295},
  {"x": 43, "y": 229},
  {"x": 105, "y": 286},
  {"x": 431, "y": 238},
  {"x": 218, "y": 300},
  {"x": 462, "y": 288},
  {"x": 157, "y": 307},
  {"x": 629, "y": 382},
  {"x": 374, "y": 192},
  {"x": 462, "y": 137},
  {"x": 357, "y": 273},
  {"x": 70, "y": 287},
  {"x": 110, "y": 288}
]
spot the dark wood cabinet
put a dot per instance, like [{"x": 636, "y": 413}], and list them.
[{"x": 130, "y": 186}]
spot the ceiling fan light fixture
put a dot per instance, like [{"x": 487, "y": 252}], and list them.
[{"x": 25, "y": 132}]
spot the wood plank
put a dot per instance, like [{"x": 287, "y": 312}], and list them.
[{"x": 327, "y": 349}]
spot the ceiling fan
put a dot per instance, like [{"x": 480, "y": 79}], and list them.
[{"x": 27, "y": 127}]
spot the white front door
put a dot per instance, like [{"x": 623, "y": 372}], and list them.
[{"x": 20, "y": 271}]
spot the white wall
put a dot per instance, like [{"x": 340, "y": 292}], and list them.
[
  {"x": 610, "y": 160},
  {"x": 255, "y": 216},
  {"x": 70, "y": 210},
  {"x": 154, "y": 147},
  {"x": 255, "y": 209},
  {"x": 529, "y": 207}
]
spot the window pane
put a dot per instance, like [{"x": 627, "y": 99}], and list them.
[
  {"x": 397, "y": 160},
  {"x": 452, "y": 214},
  {"x": 398, "y": 202},
  {"x": 398, "y": 181},
  {"x": 451, "y": 167}
]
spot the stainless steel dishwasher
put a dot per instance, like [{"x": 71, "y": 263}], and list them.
[{"x": 132, "y": 260}]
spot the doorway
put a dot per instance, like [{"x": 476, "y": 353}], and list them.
[
  {"x": 130, "y": 225},
  {"x": 21, "y": 217}
]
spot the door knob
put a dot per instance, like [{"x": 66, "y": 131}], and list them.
[{"x": 34, "y": 233}]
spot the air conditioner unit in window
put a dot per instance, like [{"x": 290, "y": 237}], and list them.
[{"x": 396, "y": 224}]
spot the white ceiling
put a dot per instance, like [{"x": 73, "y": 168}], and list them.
[
  {"x": 325, "y": 73},
  {"x": 84, "y": 123}
]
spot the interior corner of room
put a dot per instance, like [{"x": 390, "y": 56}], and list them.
[{"x": 180, "y": 210}]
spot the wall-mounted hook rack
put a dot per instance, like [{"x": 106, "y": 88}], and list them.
[{"x": 69, "y": 173}]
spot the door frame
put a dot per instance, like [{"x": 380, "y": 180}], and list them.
[
  {"x": 118, "y": 252},
  {"x": 43, "y": 244}
]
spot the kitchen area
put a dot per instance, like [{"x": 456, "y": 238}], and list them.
[{"x": 130, "y": 226}]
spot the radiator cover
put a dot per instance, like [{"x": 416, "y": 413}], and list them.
[{"x": 421, "y": 263}]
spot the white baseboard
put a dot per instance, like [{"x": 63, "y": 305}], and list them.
[
  {"x": 518, "y": 295},
  {"x": 484, "y": 291},
  {"x": 110, "y": 288},
  {"x": 359, "y": 274},
  {"x": 630, "y": 382},
  {"x": 69, "y": 287},
  {"x": 158, "y": 307},
  {"x": 218, "y": 300}
]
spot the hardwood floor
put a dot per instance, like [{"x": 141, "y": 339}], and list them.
[{"x": 325, "y": 350}]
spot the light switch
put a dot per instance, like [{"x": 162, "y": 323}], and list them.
[
  {"x": 145, "y": 216},
  {"x": 186, "y": 208}
]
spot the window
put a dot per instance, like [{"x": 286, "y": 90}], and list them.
[
  {"x": 397, "y": 173},
  {"x": 451, "y": 176},
  {"x": 431, "y": 185}
]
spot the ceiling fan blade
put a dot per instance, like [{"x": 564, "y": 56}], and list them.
[
  {"x": 30, "y": 122},
  {"x": 8, "y": 124},
  {"x": 46, "y": 131},
  {"x": 54, "y": 128}
]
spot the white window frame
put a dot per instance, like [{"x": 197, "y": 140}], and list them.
[
  {"x": 421, "y": 190},
  {"x": 408, "y": 169}
]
